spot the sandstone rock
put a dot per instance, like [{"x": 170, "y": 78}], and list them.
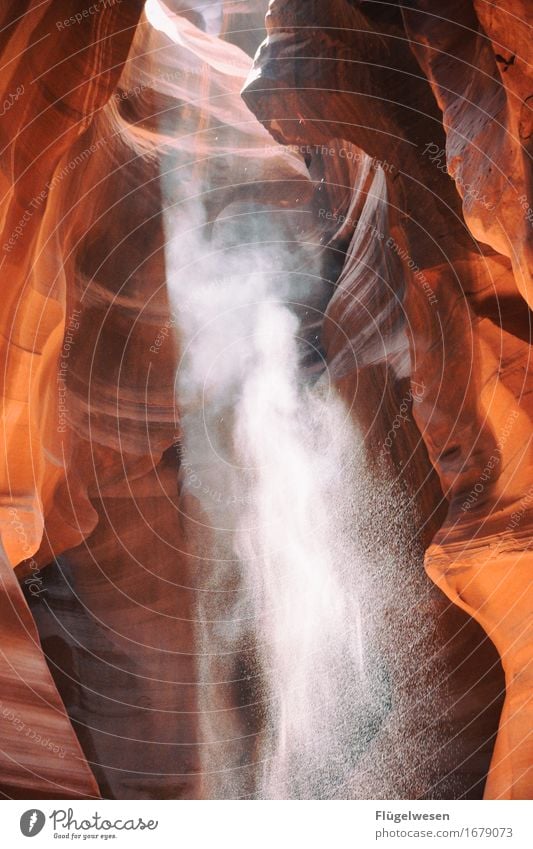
[
  {"x": 463, "y": 304},
  {"x": 129, "y": 126}
]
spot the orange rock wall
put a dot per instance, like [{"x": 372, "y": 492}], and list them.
[
  {"x": 433, "y": 97},
  {"x": 431, "y": 299}
]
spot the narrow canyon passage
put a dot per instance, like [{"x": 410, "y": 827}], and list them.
[{"x": 269, "y": 351}]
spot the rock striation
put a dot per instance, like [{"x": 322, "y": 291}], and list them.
[
  {"x": 448, "y": 98},
  {"x": 394, "y": 145}
]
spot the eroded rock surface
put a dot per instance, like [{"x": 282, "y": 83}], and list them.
[
  {"x": 427, "y": 326},
  {"x": 462, "y": 111}
]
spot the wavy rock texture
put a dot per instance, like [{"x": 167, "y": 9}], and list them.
[
  {"x": 132, "y": 580},
  {"x": 101, "y": 168},
  {"x": 45, "y": 112},
  {"x": 111, "y": 413},
  {"x": 465, "y": 301},
  {"x": 40, "y": 756}
]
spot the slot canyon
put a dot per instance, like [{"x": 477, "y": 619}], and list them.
[{"x": 267, "y": 483}]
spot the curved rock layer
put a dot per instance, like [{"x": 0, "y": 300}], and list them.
[
  {"x": 448, "y": 95},
  {"x": 40, "y": 756},
  {"x": 428, "y": 320},
  {"x": 45, "y": 111}
]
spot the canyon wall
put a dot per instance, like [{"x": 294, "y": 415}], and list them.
[
  {"x": 437, "y": 98},
  {"x": 357, "y": 119}
]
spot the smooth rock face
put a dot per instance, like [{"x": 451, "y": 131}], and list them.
[
  {"x": 46, "y": 111},
  {"x": 40, "y": 756},
  {"x": 103, "y": 160},
  {"x": 464, "y": 302}
]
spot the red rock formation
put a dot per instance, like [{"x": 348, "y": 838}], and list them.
[
  {"x": 96, "y": 163},
  {"x": 111, "y": 412},
  {"x": 464, "y": 313},
  {"x": 40, "y": 756},
  {"x": 45, "y": 112}
]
